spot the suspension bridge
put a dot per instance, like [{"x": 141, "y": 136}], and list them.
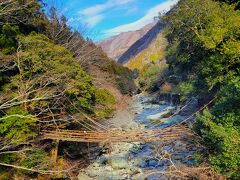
[
  {"x": 141, "y": 135},
  {"x": 96, "y": 132}
]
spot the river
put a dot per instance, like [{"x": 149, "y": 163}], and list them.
[{"x": 153, "y": 161}]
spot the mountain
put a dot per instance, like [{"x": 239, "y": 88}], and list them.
[
  {"x": 117, "y": 45},
  {"x": 153, "y": 54},
  {"x": 140, "y": 44}
]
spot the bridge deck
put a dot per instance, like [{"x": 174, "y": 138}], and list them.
[{"x": 143, "y": 135}]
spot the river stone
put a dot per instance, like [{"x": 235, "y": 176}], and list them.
[
  {"x": 167, "y": 148},
  {"x": 95, "y": 164},
  {"x": 108, "y": 168},
  {"x": 82, "y": 176},
  {"x": 143, "y": 164},
  {"x": 102, "y": 160},
  {"x": 194, "y": 149},
  {"x": 134, "y": 171},
  {"x": 118, "y": 163},
  {"x": 177, "y": 156},
  {"x": 91, "y": 173},
  {"x": 156, "y": 176},
  {"x": 178, "y": 144},
  {"x": 152, "y": 163},
  {"x": 162, "y": 164}
]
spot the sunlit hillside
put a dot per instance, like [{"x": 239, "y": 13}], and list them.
[
  {"x": 150, "y": 63},
  {"x": 153, "y": 54}
]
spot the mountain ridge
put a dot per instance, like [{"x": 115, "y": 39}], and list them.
[
  {"x": 141, "y": 44},
  {"x": 117, "y": 45}
]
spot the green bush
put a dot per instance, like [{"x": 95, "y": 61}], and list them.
[
  {"x": 105, "y": 102},
  {"x": 223, "y": 142},
  {"x": 150, "y": 73},
  {"x": 123, "y": 77},
  {"x": 185, "y": 89},
  {"x": 220, "y": 129},
  {"x": 204, "y": 51},
  {"x": 36, "y": 159},
  {"x": 104, "y": 97},
  {"x": 123, "y": 87},
  {"x": 8, "y": 158},
  {"x": 198, "y": 158},
  {"x": 17, "y": 125}
]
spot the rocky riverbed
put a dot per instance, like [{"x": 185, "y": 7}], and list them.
[{"x": 142, "y": 160}]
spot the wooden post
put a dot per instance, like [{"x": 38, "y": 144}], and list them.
[
  {"x": 109, "y": 148},
  {"x": 54, "y": 153}
]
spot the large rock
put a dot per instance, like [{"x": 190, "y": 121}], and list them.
[{"x": 118, "y": 163}]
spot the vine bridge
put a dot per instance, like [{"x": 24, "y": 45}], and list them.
[
  {"x": 142, "y": 135},
  {"x": 97, "y": 132}
]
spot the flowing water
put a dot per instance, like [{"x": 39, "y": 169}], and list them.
[{"x": 143, "y": 160}]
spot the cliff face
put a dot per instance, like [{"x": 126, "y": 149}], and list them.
[{"x": 116, "y": 46}]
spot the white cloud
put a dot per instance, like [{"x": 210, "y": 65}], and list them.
[
  {"x": 99, "y": 8},
  {"x": 132, "y": 10},
  {"x": 95, "y": 14},
  {"x": 94, "y": 20},
  {"x": 163, "y": 7},
  {"x": 88, "y": 23}
]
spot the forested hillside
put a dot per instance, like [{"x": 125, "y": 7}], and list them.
[
  {"x": 50, "y": 78},
  {"x": 204, "y": 55},
  {"x": 150, "y": 63}
]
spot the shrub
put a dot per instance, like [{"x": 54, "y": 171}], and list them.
[
  {"x": 223, "y": 143},
  {"x": 150, "y": 73},
  {"x": 185, "y": 89},
  {"x": 17, "y": 125},
  {"x": 36, "y": 159},
  {"x": 105, "y": 102},
  {"x": 220, "y": 129},
  {"x": 104, "y": 97}
]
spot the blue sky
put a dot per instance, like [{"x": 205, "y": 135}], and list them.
[{"x": 105, "y": 18}]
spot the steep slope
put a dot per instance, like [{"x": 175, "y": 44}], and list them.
[
  {"x": 92, "y": 59},
  {"x": 150, "y": 64},
  {"x": 141, "y": 44},
  {"x": 106, "y": 72},
  {"x": 152, "y": 54},
  {"x": 115, "y": 46}
]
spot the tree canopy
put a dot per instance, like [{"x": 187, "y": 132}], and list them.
[{"x": 204, "y": 51}]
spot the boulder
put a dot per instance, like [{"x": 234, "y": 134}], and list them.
[{"x": 118, "y": 163}]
